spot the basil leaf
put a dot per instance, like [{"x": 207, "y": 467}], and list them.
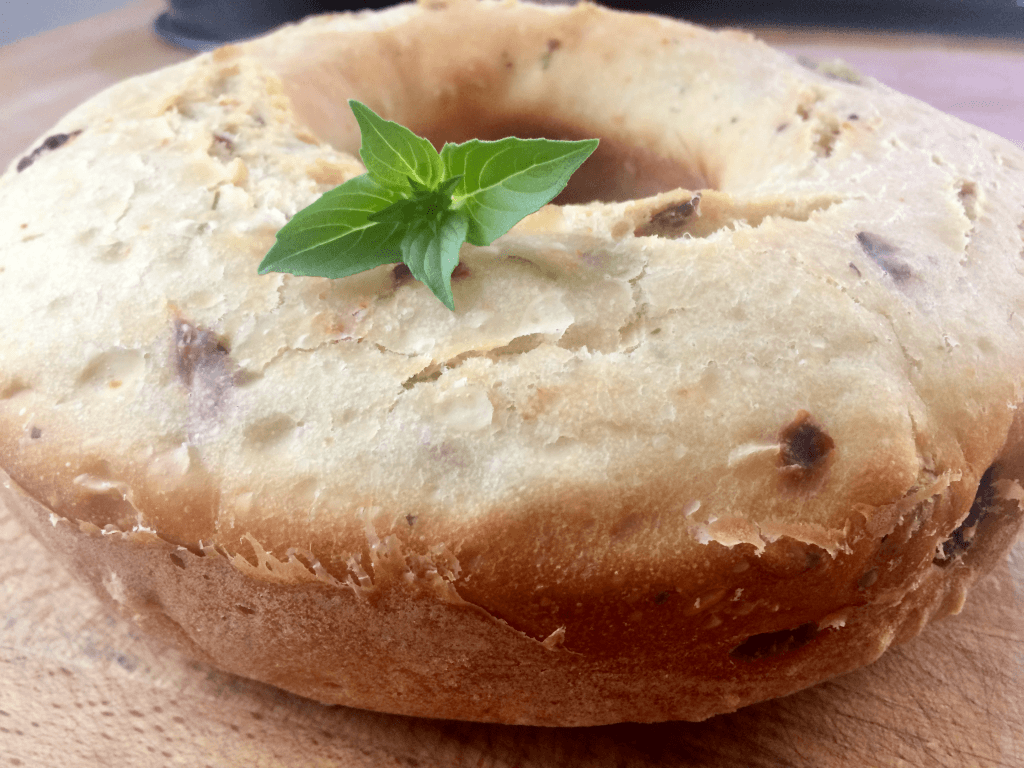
[
  {"x": 417, "y": 206},
  {"x": 334, "y": 237},
  {"x": 393, "y": 155},
  {"x": 506, "y": 180},
  {"x": 417, "y": 187},
  {"x": 425, "y": 204},
  {"x": 430, "y": 247}
]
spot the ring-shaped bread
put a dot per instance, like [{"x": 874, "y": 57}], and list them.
[{"x": 734, "y": 416}]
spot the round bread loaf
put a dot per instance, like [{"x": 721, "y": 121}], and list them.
[{"x": 736, "y": 414}]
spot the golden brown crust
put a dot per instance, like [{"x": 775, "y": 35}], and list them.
[
  {"x": 732, "y": 430},
  {"x": 416, "y": 647}
]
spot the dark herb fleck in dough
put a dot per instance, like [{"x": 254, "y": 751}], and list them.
[
  {"x": 197, "y": 349},
  {"x": 49, "y": 144},
  {"x": 401, "y": 274},
  {"x": 205, "y": 367},
  {"x": 670, "y": 222},
  {"x": 553, "y": 45},
  {"x": 804, "y": 448},
  {"x": 804, "y": 444},
  {"x": 884, "y": 254},
  {"x": 868, "y": 579}
]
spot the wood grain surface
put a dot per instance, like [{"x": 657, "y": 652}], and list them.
[{"x": 80, "y": 688}]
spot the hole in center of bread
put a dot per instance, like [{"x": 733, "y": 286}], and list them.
[
  {"x": 622, "y": 168},
  {"x": 533, "y": 79}
]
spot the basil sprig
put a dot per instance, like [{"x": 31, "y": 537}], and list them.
[{"x": 418, "y": 206}]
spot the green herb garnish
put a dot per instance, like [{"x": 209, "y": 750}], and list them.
[{"x": 417, "y": 206}]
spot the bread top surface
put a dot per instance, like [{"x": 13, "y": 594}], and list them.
[{"x": 790, "y": 313}]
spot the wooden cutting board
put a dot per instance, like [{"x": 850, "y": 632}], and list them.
[{"x": 79, "y": 688}]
